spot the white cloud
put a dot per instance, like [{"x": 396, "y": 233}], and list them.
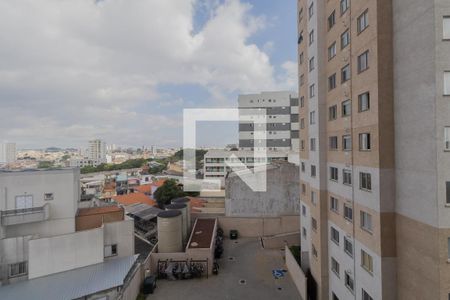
[{"x": 72, "y": 70}]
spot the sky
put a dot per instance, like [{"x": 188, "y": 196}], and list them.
[{"x": 123, "y": 71}]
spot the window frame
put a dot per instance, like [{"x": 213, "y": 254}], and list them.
[
  {"x": 347, "y": 142},
  {"x": 367, "y": 178},
  {"x": 343, "y": 110},
  {"x": 347, "y": 209},
  {"x": 363, "y": 16},
  {"x": 360, "y": 102},
  {"x": 347, "y": 35},
  {"x": 345, "y": 70},
  {"x": 365, "y": 141},
  {"x": 369, "y": 267},
  {"x": 363, "y": 57}
]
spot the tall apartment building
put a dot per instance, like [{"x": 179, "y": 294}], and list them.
[
  {"x": 97, "y": 150},
  {"x": 374, "y": 83},
  {"x": 282, "y": 121},
  {"x": 45, "y": 238},
  {"x": 7, "y": 153}
]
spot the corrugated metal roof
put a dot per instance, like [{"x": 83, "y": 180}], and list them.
[{"x": 72, "y": 284}]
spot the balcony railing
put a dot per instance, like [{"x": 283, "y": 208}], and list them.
[{"x": 24, "y": 215}]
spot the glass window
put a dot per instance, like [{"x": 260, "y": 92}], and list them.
[
  {"x": 312, "y": 144},
  {"x": 332, "y": 82},
  {"x": 447, "y": 83},
  {"x": 363, "y": 21},
  {"x": 366, "y": 261},
  {"x": 18, "y": 269},
  {"x": 313, "y": 224},
  {"x": 334, "y": 173},
  {"x": 313, "y": 171},
  {"x": 446, "y": 28},
  {"x": 311, "y": 64},
  {"x": 365, "y": 295},
  {"x": 311, "y": 37},
  {"x": 348, "y": 213},
  {"x": 366, "y": 221},
  {"x": 313, "y": 198},
  {"x": 344, "y": 6},
  {"x": 447, "y": 138},
  {"x": 333, "y": 140},
  {"x": 345, "y": 39},
  {"x": 365, "y": 181},
  {"x": 335, "y": 266},
  {"x": 331, "y": 20},
  {"x": 346, "y": 143},
  {"x": 348, "y": 246},
  {"x": 364, "y": 102},
  {"x": 334, "y": 204},
  {"x": 347, "y": 176},
  {"x": 345, "y": 73},
  {"x": 332, "y": 112},
  {"x": 311, "y": 10},
  {"x": 334, "y": 235},
  {"x": 447, "y": 190},
  {"x": 332, "y": 51},
  {"x": 312, "y": 88},
  {"x": 312, "y": 117},
  {"x": 363, "y": 62},
  {"x": 346, "y": 108},
  {"x": 364, "y": 142},
  {"x": 349, "y": 281}
]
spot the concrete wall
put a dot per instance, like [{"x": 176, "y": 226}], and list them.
[
  {"x": 96, "y": 220},
  {"x": 297, "y": 275},
  {"x": 257, "y": 227},
  {"x": 122, "y": 234},
  {"x": 281, "y": 197},
  {"x": 65, "y": 252},
  {"x": 281, "y": 240}
]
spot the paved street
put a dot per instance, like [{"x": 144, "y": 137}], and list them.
[{"x": 250, "y": 262}]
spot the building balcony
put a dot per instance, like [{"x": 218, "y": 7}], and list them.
[{"x": 24, "y": 215}]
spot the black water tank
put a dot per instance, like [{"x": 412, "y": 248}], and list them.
[{"x": 149, "y": 285}]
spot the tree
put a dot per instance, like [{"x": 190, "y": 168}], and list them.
[
  {"x": 45, "y": 164},
  {"x": 168, "y": 191}
]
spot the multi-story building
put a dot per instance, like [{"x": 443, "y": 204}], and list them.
[
  {"x": 374, "y": 193},
  {"x": 43, "y": 232},
  {"x": 7, "y": 153},
  {"x": 282, "y": 121},
  {"x": 97, "y": 150}
]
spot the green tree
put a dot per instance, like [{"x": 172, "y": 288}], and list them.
[
  {"x": 45, "y": 164},
  {"x": 168, "y": 191}
]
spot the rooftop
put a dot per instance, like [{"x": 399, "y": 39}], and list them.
[
  {"x": 134, "y": 198},
  {"x": 72, "y": 284},
  {"x": 242, "y": 153},
  {"x": 202, "y": 233},
  {"x": 98, "y": 210}
]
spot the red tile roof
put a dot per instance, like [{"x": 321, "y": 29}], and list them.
[
  {"x": 134, "y": 198},
  {"x": 147, "y": 188}
]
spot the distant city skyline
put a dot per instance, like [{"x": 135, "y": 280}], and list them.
[{"x": 127, "y": 82}]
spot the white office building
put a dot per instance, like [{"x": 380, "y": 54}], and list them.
[
  {"x": 282, "y": 121},
  {"x": 7, "y": 153},
  {"x": 97, "y": 150}
]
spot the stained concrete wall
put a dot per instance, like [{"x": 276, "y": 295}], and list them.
[{"x": 281, "y": 197}]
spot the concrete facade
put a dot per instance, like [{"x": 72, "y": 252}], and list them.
[{"x": 281, "y": 197}]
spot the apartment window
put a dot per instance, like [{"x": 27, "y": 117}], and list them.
[
  {"x": 448, "y": 248},
  {"x": 364, "y": 102},
  {"x": 334, "y": 204},
  {"x": 363, "y": 21},
  {"x": 302, "y": 145},
  {"x": 312, "y": 144},
  {"x": 311, "y": 37},
  {"x": 447, "y": 83},
  {"x": 344, "y": 6},
  {"x": 346, "y": 143},
  {"x": 304, "y": 232},
  {"x": 332, "y": 112},
  {"x": 332, "y": 51},
  {"x": 313, "y": 171},
  {"x": 300, "y": 58},
  {"x": 110, "y": 250},
  {"x": 302, "y": 123},
  {"x": 345, "y": 73},
  {"x": 18, "y": 269},
  {"x": 311, "y": 10},
  {"x": 333, "y": 140},
  {"x": 313, "y": 198},
  {"x": 312, "y": 117},
  {"x": 302, "y": 101},
  {"x": 365, "y": 181},
  {"x": 48, "y": 196},
  {"x": 347, "y": 176},
  {"x": 334, "y": 173},
  {"x": 363, "y": 62},
  {"x": 334, "y": 297},
  {"x": 312, "y": 91},
  {"x": 303, "y": 210},
  {"x": 366, "y": 261},
  {"x": 348, "y": 213},
  {"x": 348, "y": 246},
  {"x": 300, "y": 15},
  {"x": 331, "y": 20},
  {"x": 447, "y": 138},
  {"x": 345, "y": 39},
  {"x": 447, "y": 189},
  {"x": 446, "y": 28},
  {"x": 302, "y": 80},
  {"x": 365, "y": 221},
  {"x": 364, "y": 142},
  {"x": 314, "y": 251},
  {"x": 334, "y": 235},
  {"x": 314, "y": 224},
  {"x": 303, "y": 188},
  {"x": 365, "y": 295},
  {"x": 24, "y": 201},
  {"x": 349, "y": 281},
  {"x": 332, "y": 82},
  {"x": 335, "y": 266},
  {"x": 311, "y": 64},
  {"x": 346, "y": 108}
]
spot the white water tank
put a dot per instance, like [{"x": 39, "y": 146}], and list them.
[
  {"x": 187, "y": 201},
  {"x": 183, "y": 208},
  {"x": 170, "y": 231}
]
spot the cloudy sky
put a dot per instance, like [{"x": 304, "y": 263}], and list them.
[{"x": 124, "y": 70}]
